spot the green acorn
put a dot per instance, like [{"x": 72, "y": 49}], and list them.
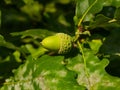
[{"x": 60, "y": 43}]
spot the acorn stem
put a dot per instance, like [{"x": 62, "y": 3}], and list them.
[{"x": 85, "y": 64}]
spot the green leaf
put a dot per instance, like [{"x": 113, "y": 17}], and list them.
[
  {"x": 115, "y": 3},
  {"x": 44, "y": 73},
  {"x": 34, "y": 12},
  {"x": 83, "y": 5},
  {"x": 35, "y": 33},
  {"x": 117, "y": 14},
  {"x": 1, "y": 39},
  {"x": 6, "y": 44},
  {"x": 102, "y": 21},
  {"x": 35, "y": 53},
  {"x": 50, "y": 7},
  {"x": 95, "y": 44},
  {"x": 28, "y": 1},
  {"x": 64, "y": 1},
  {"x": 93, "y": 75}
]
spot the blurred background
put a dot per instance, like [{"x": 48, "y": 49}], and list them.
[{"x": 19, "y": 15}]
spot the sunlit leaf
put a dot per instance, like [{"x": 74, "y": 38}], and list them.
[
  {"x": 45, "y": 73},
  {"x": 35, "y": 52},
  {"x": 95, "y": 44},
  {"x": 6, "y": 44},
  {"x": 93, "y": 75},
  {"x": 112, "y": 3},
  {"x": 35, "y": 33},
  {"x": 83, "y": 5}
]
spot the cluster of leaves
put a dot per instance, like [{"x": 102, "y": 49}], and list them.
[{"x": 24, "y": 63}]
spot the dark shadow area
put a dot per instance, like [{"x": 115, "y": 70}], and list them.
[
  {"x": 111, "y": 47},
  {"x": 6, "y": 68},
  {"x": 114, "y": 66}
]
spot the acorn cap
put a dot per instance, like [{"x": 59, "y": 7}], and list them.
[{"x": 60, "y": 43}]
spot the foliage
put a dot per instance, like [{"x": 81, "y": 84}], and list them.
[{"x": 92, "y": 64}]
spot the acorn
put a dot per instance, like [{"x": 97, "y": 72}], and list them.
[{"x": 60, "y": 43}]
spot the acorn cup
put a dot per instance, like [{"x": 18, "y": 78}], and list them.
[{"x": 60, "y": 43}]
